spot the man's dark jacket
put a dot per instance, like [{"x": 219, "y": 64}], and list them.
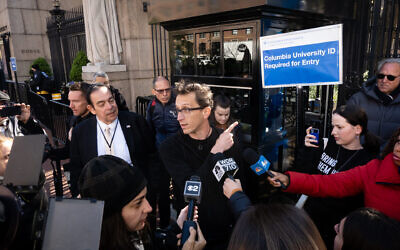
[
  {"x": 138, "y": 136},
  {"x": 119, "y": 99},
  {"x": 383, "y": 118},
  {"x": 163, "y": 119},
  {"x": 184, "y": 157}
]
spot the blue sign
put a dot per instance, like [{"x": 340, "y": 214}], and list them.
[
  {"x": 304, "y": 57},
  {"x": 13, "y": 63},
  {"x": 312, "y": 63}
]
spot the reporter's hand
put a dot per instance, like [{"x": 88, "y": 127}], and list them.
[
  {"x": 225, "y": 140},
  {"x": 191, "y": 244},
  {"x": 183, "y": 216},
  {"x": 25, "y": 112},
  {"x": 230, "y": 187},
  {"x": 309, "y": 139},
  {"x": 278, "y": 176}
]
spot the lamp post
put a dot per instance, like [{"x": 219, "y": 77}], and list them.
[{"x": 58, "y": 17}]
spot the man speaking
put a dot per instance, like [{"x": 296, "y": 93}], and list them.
[{"x": 195, "y": 151}]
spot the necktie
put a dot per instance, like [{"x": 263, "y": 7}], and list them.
[{"x": 108, "y": 143}]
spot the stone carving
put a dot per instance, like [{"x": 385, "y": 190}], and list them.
[{"x": 103, "y": 43}]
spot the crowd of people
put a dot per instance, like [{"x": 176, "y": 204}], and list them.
[{"x": 139, "y": 166}]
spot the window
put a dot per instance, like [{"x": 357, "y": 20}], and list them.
[
  {"x": 202, "y": 48},
  {"x": 189, "y": 37},
  {"x": 183, "y": 59},
  {"x": 238, "y": 53},
  {"x": 209, "y": 52}
]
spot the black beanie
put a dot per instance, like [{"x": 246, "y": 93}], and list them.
[
  {"x": 112, "y": 180},
  {"x": 35, "y": 66}
]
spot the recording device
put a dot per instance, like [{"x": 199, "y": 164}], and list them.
[
  {"x": 315, "y": 132},
  {"x": 192, "y": 195},
  {"x": 24, "y": 179},
  {"x": 80, "y": 231},
  {"x": 25, "y": 163},
  {"x": 10, "y": 111},
  {"x": 225, "y": 168},
  {"x": 258, "y": 163}
]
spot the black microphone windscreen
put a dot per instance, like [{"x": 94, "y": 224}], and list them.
[
  {"x": 250, "y": 156},
  {"x": 194, "y": 178}
]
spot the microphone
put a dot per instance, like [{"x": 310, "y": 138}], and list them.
[
  {"x": 225, "y": 167},
  {"x": 259, "y": 164},
  {"x": 192, "y": 195}
]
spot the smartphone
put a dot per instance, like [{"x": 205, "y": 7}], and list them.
[
  {"x": 10, "y": 111},
  {"x": 315, "y": 132}
]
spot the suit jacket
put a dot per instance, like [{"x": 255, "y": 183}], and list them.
[{"x": 138, "y": 136}]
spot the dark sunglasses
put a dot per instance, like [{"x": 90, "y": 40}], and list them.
[{"x": 389, "y": 77}]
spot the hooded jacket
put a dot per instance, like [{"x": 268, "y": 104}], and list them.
[{"x": 383, "y": 117}]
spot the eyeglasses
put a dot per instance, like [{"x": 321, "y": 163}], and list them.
[
  {"x": 389, "y": 77},
  {"x": 186, "y": 111},
  {"x": 161, "y": 91}
]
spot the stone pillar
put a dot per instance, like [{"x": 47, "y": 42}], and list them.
[{"x": 137, "y": 52}]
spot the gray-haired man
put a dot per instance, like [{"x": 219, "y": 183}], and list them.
[
  {"x": 102, "y": 77},
  {"x": 380, "y": 99}
]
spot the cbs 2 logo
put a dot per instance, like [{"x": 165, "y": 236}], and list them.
[{"x": 193, "y": 188}]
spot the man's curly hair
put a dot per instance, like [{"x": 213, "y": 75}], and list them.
[{"x": 204, "y": 96}]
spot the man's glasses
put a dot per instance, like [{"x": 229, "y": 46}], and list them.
[
  {"x": 389, "y": 77},
  {"x": 186, "y": 111},
  {"x": 161, "y": 91}
]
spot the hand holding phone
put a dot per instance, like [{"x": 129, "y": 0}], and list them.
[
  {"x": 10, "y": 111},
  {"x": 315, "y": 132},
  {"x": 312, "y": 137}
]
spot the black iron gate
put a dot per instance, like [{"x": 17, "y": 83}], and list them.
[
  {"x": 160, "y": 50},
  {"x": 372, "y": 34},
  {"x": 66, "y": 33}
]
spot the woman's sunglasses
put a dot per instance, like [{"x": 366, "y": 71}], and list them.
[{"x": 389, "y": 77}]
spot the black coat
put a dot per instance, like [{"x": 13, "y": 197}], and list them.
[
  {"x": 383, "y": 119},
  {"x": 184, "y": 157},
  {"x": 138, "y": 136}
]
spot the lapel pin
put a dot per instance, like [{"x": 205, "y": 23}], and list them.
[{"x": 128, "y": 126}]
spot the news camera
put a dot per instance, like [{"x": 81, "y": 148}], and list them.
[{"x": 29, "y": 219}]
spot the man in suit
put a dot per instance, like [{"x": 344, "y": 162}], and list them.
[{"x": 122, "y": 134}]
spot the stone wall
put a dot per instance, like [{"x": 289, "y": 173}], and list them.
[
  {"x": 26, "y": 21},
  {"x": 137, "y": 53}
]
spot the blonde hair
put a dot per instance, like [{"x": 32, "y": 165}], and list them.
[{"x": 4, "y": 139}]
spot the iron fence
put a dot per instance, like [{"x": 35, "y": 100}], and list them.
[
  {"x": 373, "y": 34},
  {"x": 66, "y": 33},
  {"x": 141, "y": 104},
  {"x": 60, "y": 115},
  {"x": 51, "y": 114}
]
